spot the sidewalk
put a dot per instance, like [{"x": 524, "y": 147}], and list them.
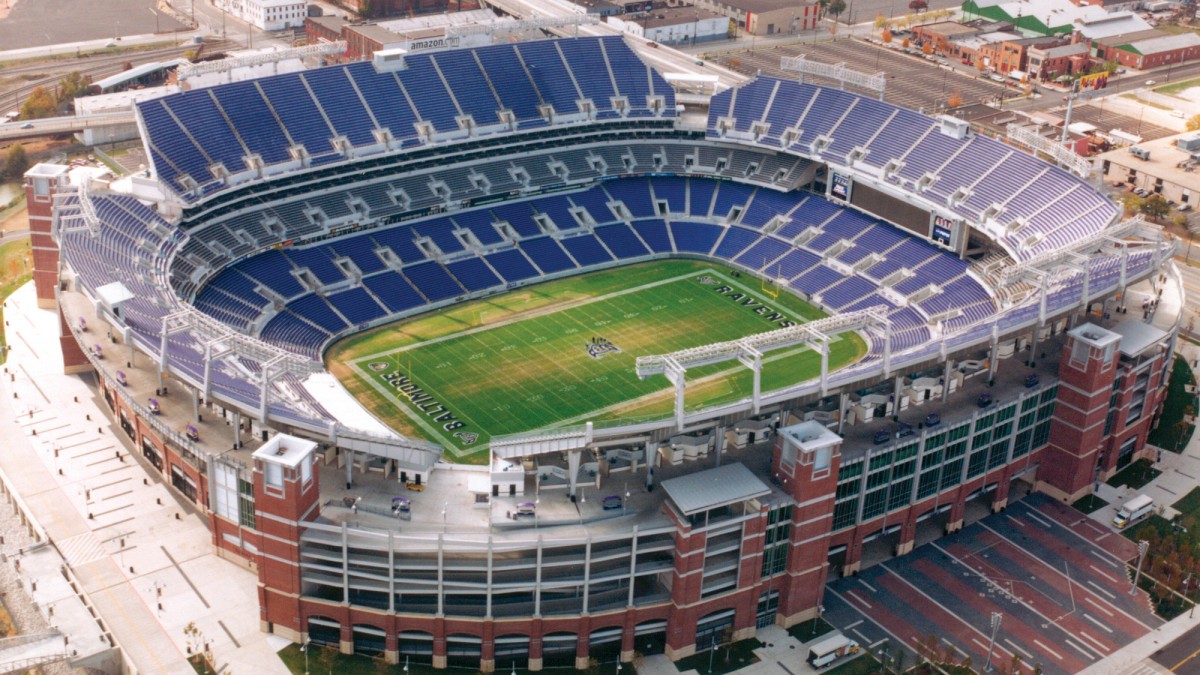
[
  {"x": 1179, "y": 476},
  {"x": 142, "y": 558}
]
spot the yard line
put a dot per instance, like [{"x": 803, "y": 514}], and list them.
[{"x": 1018, "y": 648}]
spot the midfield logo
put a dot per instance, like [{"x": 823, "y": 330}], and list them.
[
  {"x": 598, "y": 347},
  {"x": 379, "y": 366},
  {"x": 708, "y": 281},
  {"x": 467, "y": 437}
]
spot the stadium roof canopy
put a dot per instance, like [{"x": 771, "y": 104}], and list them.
[{"x": 710, "y": 489}]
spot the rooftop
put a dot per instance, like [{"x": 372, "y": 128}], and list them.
[
  {"x": 948, "y": 28},
  {"x": 704, "y": 490},
  {"x": 1166, "y": 161},
  {"x": 670, "y": 16},
  {"x": 1136, "y": 336}
]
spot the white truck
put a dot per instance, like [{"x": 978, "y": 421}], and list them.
[
  {"x": 1133, "y": 510},
  {"x": 831, "y": 649}
]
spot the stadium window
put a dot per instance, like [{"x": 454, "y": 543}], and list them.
[
  {"x": 850, "y": 471},
  {"x": 878, "y": 478},
  {"x": 1027, "y": 421},
  {"x": 907, "y": 452},
  {"x": 1021, "y": 445},
  {"x": 956, "y": 450},
  {"x": 934, "y": 442},
  {"x": 1029, "y": 404},
  {"x": 1002, "y": 431},
  {"x": 998, "y": 454},
  {"x": 1041, "y": 434},
  {"x": 904, "y": 469},
  {"x": 880, "y": 461},
  {"x": 951, "y": 474},
  {"x": 1049, "y": 395},
  {"x": 931, "y": 460},
  {"x": 847, "y": 489},
  {"x": 976, "y": 464},
  {"x": 1006, "y": 413},
  {"x": 899, "y": 494},
  {"x": 874, "y": 504},
  {"x": 983, "y": 422},
  {"x": 981, "y": 440},
  {"x": 928, "y": 484},
  {"x": 844, "y": 514}
]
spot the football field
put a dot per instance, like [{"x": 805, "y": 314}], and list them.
[{"x": 563, "y": 352}]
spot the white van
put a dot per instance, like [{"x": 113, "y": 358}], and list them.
[
  {"x": 831, "y": 649},
  {"x": 1133, "y": 510}
]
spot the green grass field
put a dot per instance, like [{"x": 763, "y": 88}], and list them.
[{"x": 519, "y": 361}]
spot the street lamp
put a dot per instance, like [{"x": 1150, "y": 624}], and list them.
[
  {"x": 712, "y": 652},
  {"x": 406, "y": 663},
  {"x": 996, "y": 618},
  {"x": 304, "y": 648},
  {"x": 817, "y": 617},
  {"x": 1143, "y": 546}
]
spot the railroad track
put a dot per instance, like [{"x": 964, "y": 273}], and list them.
[{"x": 95, "y": 67}]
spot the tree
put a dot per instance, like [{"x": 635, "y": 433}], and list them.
[
  {"x": 1132, "y": 204},
  {"x": 886, "y": 37},
  {"x": 905, "y": 43},
  {"x": 1155, "y": 207},
  {"x": 41, "y": 103},
  {"x": 1179, "y": 220},
  {"x": 73, "y": 85},
  {"x": 16, "y": 163},
  {"x": 881, "y": 21},
  {"x": 1193, "y": 123},
  {"x": 927, "y": 48},
  {"x": 918, "y": 5},
  {"x": 835, "y": 7},
  {"x": 955, "y": 100}
]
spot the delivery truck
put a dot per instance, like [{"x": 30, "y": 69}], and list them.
[
  {"x": 829, "y": 650},
  {"x": 1133, "y": 510}
]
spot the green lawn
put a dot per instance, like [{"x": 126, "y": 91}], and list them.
[
  {"x": 1089, "y": 503},
  {"x": 520, "y": 361},
  {"x": 727, "y": 658},
  {"x": 1172, "y": 433},
  {"x": 1135, "y": 475}
]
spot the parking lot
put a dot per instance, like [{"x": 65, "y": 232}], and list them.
[
  {"x": 1107, "y": 120},
  {"x": 1057, "y": 578},
  {"x": 913, "y": 82}
]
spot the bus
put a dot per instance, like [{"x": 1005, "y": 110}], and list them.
[{"x": 831, "y": 649}]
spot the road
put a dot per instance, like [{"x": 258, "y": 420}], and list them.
[{"x": 1182, "y": 655}]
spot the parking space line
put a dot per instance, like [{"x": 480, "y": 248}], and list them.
[
  {"x": 872, "y": 588},
  {"x": 1015, "y": 521},
  {"x": 864, "y": 603},
  {"x": 853, "y": 625},
  {"x": 1069, "y": 580},
  {"x": 1107, "y": 560},
  {"x": 1101, "y": 590},
  {"x": 864, "y": 638},
  {"x": 954, "y": 647},
  {"x": 1104, "y": 574},
  {"x": 1048, "y": 650},
  {"x": 878, "y": 642},
  {"x": 1018, "y": 648},
  {"x": 1038, "y": 520},
  {"x": 874, "y": 622},
  {"x": 1097, "y": 605},
  {"x": 1096, "y": 621},
  {"x": 1086, "y": 654},
  {"x": 1094, "y": 641}
]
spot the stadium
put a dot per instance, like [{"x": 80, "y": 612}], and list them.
[{"x": 506, "y": 355}]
